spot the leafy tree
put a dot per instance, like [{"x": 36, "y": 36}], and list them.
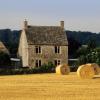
[
  {"x": 91, "y": 44},
  {"x": 4, "y": 60},
  {"x": 73, "y": 47},
  {"x": 82, "y": 51},
  {"x": 89, "y": 55},
  {"x": 84, "y": 37}
]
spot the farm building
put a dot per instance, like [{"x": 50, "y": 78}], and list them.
[{"x": 42, "y": 44}]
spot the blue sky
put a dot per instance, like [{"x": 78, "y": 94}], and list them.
[{"x": 78, "y": 15}]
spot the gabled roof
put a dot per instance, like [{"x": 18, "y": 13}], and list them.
[{"x": 46, "y": 35}]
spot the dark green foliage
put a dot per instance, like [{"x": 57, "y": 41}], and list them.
[
  {"x": 49, "y": 68},
  {"x": 84, "y": 37},
  {"x": 73, "y": 46},
  {"x": 91, "y": 44},
  {"x": 82, "y": 51},
  {"x": 8, "y": 36},
  {"x": 13, "y": 49},
  {"x": 78, "y": 38},
  {"x": 89, "y": 54},
  {"x": 4, "y": 60},
  {"x": 11, "y": 40}
]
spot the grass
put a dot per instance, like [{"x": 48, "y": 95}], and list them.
[{"x": 49, "y": 87}]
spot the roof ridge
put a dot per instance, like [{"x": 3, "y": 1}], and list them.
[{"x": 41, "y": 26}]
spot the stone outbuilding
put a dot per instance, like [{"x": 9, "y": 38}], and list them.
[{"x": 42, "y": 44}]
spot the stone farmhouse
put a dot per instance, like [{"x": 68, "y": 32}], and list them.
[{"x": 42, "y": 44}]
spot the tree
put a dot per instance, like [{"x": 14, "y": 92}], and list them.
[
  {"x": 89, "y": 53},
  {"x": 73, "y": 47},
  {"x": 4, "y": 60},
  {"x": 89, "y": 56},
  {"x": 91, "y": 44}
]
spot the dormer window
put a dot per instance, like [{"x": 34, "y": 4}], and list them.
[
  {"x": 57, "y": 49},
  {"x": 37, "y": 49}
]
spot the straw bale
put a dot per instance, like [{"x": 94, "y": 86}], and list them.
[
  {"x": 63, "y": 69},
  {"x": 96, "y": 68},
  {"x": 85, "y": 71}
]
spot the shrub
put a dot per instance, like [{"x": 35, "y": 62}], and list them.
[
  {"x": 47, "y": 67},
  {"x": 43, "y": 69}
]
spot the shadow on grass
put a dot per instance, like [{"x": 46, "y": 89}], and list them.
[{"x": 96, "y": 77}]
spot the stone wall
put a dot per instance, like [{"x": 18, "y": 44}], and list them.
[
  {"x": 23, "y": 49},
  {"x": 47, "y": 55}
]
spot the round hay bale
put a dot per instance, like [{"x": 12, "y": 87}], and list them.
[
  {"x": 85, "y": 71},
  {"x": 63, "y": 69},
  {"x": 96, "y": 68}
]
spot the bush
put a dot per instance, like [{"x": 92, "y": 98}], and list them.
[{"x": 49, "y": 68}]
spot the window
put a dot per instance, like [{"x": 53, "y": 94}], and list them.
[
  {"x": 38, "y": 63},
  {"x": 37, "y": 49},
  {"x": 57, "y": 62},
  {"x": 57, "y": 49}
]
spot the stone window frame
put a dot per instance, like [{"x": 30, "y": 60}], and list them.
[
  {"x": 57, "y": 62},
  {"x": 38, "y": 49},
  {"x": 38, "y": 63},
  {"x": 57, "y": 49}
]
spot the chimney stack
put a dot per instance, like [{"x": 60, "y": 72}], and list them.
[
  {"x": 62, "y": 24},
  {"x": 25, "y": 24}
]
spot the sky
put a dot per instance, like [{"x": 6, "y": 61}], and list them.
[{"x": 78, "y": 15}]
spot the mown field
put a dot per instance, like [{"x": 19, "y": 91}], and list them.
[{"x": 49, "y": 87}]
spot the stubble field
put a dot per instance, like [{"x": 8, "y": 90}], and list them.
[{"x": 49, "y": 87}]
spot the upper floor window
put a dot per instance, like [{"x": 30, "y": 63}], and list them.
[
  {"x": 57, "y": 49},
  {"x": 37, "y": 49}
]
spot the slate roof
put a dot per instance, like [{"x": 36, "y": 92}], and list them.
[{"x": 46, "y": 35}]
